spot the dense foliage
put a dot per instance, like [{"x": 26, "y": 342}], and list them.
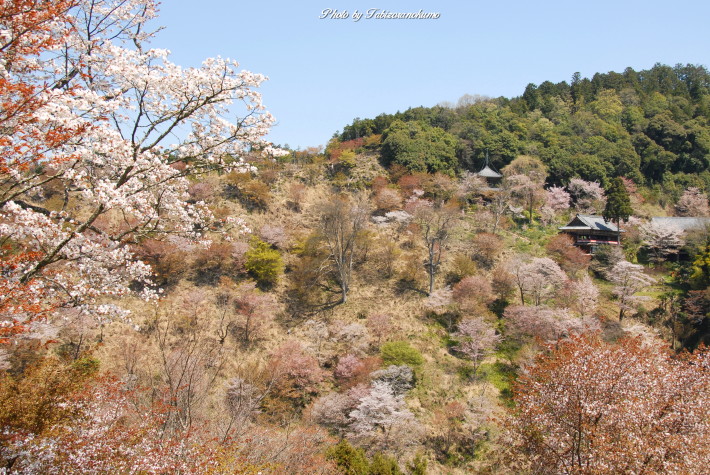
[
  {"x": 315, "y": 312},
  {"x": 594, "y": 407},
  {"x": 650, "y": 126}
]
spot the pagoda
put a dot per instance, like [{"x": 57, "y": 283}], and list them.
[{"x": 492, "y": 177}]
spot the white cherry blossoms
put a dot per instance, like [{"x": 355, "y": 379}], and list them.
[{"x": 135, "y": 127}]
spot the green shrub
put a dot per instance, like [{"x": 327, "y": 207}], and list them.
[
  {"x": 263, "y": 263},
  {"x": 350, "y": 460},
  {"x": 86, "y": 366},
  {"x": 461, "y": 267},
  {"x": 353, "y": 461},
  {"x": 400, "y": 353},
  {"x": 383, "y": 465},
  {"x": 418, "y": 465}
]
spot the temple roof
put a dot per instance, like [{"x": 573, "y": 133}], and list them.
[
  {"x": 590, "y": 222},
  {"x": 488, "y": 172}
]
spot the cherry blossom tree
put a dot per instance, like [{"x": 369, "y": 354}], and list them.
[
  {"x": 332, "y": 410},
  {"x": 585, "y": 294},
  {"x": 440, "y": 300},
  {"x": 440, "y": 303},
  {"x": 527, "y": 191},
  {"x": 381, "y": 420},
  {"x": 297, "y": 372},
  {"x": 387, "y": 199},
  {"x": 399, "y": 377},
  {"x": 353, "y": 335},
  {"x": 104, "y": 428},
  {"x": 486, "y": 249},
  {"x": 538, "y": 279},
  {"x": 274, "y": 235},
  {"x": 588, "y": 196},
  {"x": 472, "y": 294},
  {"x": 435, "y": 224},
  {"x": 376, "y": 416},
  {"x": 628, "y": 279},
  {"x": 98, "y": 441},
  {"x": 593, "y": 407},
  {"x": 571, "y": 258},
  {"x": 188, "y": 365},
  {"x": 548, "y": 324},
  {"x": 524, "y": 177},
  {"x": 693, "y": 202},
  {"x": 105, "y": 110},
  {"x": 476, "y": 338},
  {"x": 296, "y": 194},
  {"x": 661, "y": 239},
  {"x": 254, "y": 310},
  {"x": 499, "y": 205},
  {"x": 27, "y": 30},
  {"x": 380, "y": 326},
  {"x": 470, "y": 187},
  {"x": 557, "y": 200},
  {"x": 348, "y": 366},
  {"x": 243, "y": 400}
]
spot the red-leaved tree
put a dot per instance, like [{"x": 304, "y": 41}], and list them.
[
  {"x": 28, "y": 29},
  {"x": 588, "y": 406}
]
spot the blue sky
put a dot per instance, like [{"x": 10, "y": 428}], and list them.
[{"x": 325, "y": 72}]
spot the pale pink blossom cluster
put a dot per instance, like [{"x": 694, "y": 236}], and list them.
[
  {"x": 557, "y": 201},
  {"x": 662, "y": 239},
  {"x": 588, "y": 196},
  {"x": 476, "y": 339},
  {"x": 100, "y": 442},
  {"x": 628, "y": 280},
  {"x": 538, "y": 280},
  {"x": 594, "y": 407},
  {"x": 548, "y": 324},
  {"x": 374, "y": 416},
  {"x": 693, "y": 202}
]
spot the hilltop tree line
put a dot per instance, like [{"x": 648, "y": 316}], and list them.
[{"x": 650, "y": 126}]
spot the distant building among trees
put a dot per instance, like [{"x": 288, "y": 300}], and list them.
[
  {"x": 589, "y": 232},
  {"x": 491, "y": 176}
]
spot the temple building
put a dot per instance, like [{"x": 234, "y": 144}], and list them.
[
  {"x": 589, "y": 232},
  {"x": 492, "y": 177}
]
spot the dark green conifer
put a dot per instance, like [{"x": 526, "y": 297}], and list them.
[{"x": 618, "y": 204}]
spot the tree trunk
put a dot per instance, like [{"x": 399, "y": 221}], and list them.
[
  {"x": 530, "y": 211},
  {"x": 618, "y": 231},
  {"x": 430, "y": 267}
]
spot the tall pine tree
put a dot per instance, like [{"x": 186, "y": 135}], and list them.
[{"x": 618, "y": 204}]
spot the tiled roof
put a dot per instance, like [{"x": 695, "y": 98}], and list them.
[
  {"x": 684, "y": 223},
  {"x": 488, "y": 172},
  {"x": 588, "y": 221}
]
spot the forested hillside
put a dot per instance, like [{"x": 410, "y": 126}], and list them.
[
  {"x": 203, "y": 302},
  {"x": 650, "y": 126}
]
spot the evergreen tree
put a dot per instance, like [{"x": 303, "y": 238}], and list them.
[{"x": 618, "y": 204}]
